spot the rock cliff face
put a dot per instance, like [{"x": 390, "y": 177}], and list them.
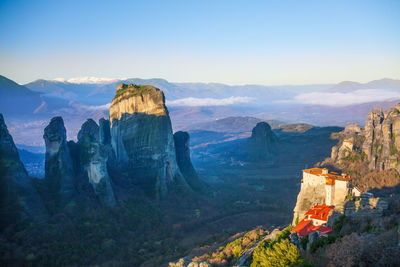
[
  {"x": 263, "y": 143},
  {"x": 184, "y": 163},
  {"x": 59, "y": 171},
  {"x": 18, "y": 196},
  {"x": 309, "y": 196},
  {"x": 378, "y": 143},
  {"x": 94, "y": 151},
  {"x": 141, "y": 136}
]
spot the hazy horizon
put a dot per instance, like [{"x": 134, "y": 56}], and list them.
[{"x": 99, "y": 80}]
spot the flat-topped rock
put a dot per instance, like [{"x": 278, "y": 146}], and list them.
[
  {"x": 132, "y": 98},
  {"x": 141, "y": 137}
]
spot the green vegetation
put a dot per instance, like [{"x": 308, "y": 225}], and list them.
[
  {"x": 279, "y": 252},
  {"x": 338, "y": 224},
  {"x": 83, "y": 235},
  {"x": 284, "y": 234},
  {"x": 233, "y": 250},
  {"x": 321, "y": 242},
  {"x": 353, "y": 157},
  {"x": 134, "y": 90},
  {"x": 394, "y": 150},
  {"x": 304, "y": 242},
  {"x": 282, "y": 253},
  {"x": 297, "y": 220},
  {"x": 369, "y": 228}
]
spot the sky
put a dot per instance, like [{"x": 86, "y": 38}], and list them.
[{"x": 232, "y": 42}]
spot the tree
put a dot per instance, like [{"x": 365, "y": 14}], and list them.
[{"x": 282, "y": 253}]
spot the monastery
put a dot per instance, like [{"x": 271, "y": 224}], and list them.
[{"x": 337, "y": 188}]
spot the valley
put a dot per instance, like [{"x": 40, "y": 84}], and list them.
[{"x": 132, "y": 182}]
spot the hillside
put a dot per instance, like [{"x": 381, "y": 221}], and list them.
[{"x": 17, "y": 100}]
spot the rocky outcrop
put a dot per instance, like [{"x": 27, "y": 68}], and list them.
[
  {"x": 18, "y": 196},
  {"x": 184, "y": 163},
  {"x": 59, "y": 171},
  {"x": 141, "y": 136},
  {"x": 94, "y": 148},
  {"x": 378, "y": 143},
  {"x": 263, "y": 143},
  {"x": 366, "y": 206},
  {"x": 184, "y": 262}
]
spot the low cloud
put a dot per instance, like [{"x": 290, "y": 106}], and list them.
[
  {"x": 87, "y": 107},
  {"x": 345, "y": 99},
  {"x": 200, "y": 102},
  {"x": 89, "y": 80},
  {"x": 101, "y": 107}
]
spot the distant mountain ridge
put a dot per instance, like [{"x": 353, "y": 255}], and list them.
[
  {"x": 233, "y": 124},
  {"x": 80, "y": 98},
  {"x": 17, "y": 99},
  {"x": 348, "y": 86}
]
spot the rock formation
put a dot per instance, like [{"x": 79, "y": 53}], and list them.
[
  {"x": 184, "y": 163},
  {"x": 262, "y": 143},
  {"x": 309, "y": 196},
  {"x": 366, "y": 206},
  {"x": 18, "y": 196},
  {"x": 378, "y": 143},
  {"x": 141, "y": 136},
  {"x": 94, "y": 152},
  {"x": 59, "y": 171}
]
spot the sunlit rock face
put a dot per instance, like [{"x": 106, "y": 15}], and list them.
[
  {"x": 18, "y": 196},
  {"x": 382, "y": 138},
  {"x": 93, "y": 159},
  {"x": 141, "y": 137},
  {"x": 59, "y": 171},
  {"x": 185, "y": 164},
  {"x": 378, "y": 144}
]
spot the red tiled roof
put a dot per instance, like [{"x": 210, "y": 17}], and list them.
[
  {"x": 323, "y": 229},
  {"x": 320, "y": 212},
  {"x": 331, "y": 175},
  {"x": 316, "y": 171},
  {"x": 305, "y": 227}
]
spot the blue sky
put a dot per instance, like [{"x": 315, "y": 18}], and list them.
[{"x": 234, "y": 42}]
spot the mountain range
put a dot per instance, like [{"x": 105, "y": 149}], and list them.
[{"x": 192, "y": 106}]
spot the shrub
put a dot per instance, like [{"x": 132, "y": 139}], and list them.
[
  {"x": 284, "y": 234},
  {"x": 303, "y": 242},
  {"x": 338, "y": 224},
  {"x": 321, "y": 242}
]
